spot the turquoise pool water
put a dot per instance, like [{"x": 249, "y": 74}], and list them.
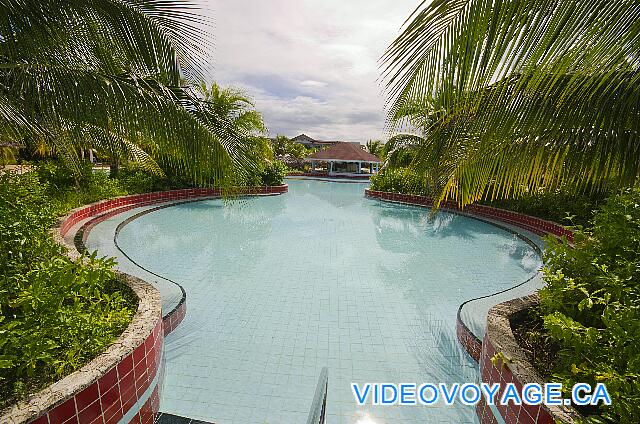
[{"x": 279, "y": 287}]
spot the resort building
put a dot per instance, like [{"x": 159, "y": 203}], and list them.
[
  {"x": 311, "y": 143},
  {"x": 344, "y": 158}
]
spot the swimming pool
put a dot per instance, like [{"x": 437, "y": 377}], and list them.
[{"x": 280, "y": 287}]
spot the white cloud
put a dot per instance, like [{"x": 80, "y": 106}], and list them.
[
  {"x": 314, "y": 84},
  {"x": 310, "y": 65}
]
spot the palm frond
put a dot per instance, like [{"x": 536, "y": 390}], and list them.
[
  {"x": 534, "y": 93},
  {"x": 114, "y": 67}
]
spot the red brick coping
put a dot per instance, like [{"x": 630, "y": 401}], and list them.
[
  {"x": 535, "y": 225},
  {"x": 483, "y": 351},
  {"x": 93, "y": 209}
]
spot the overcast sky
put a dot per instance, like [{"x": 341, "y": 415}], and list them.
[{"x": 310, "y": 65}]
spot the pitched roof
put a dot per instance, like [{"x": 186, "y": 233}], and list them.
[
  {"x": 304, "y": 137},
  {"x": 346, "y": 152}
]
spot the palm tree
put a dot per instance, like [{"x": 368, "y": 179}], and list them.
[
  {"x": 233, "y": 111},
  {"x": 234, "y": 106},
  {"x": 510, "y": 97},
  {"x": 106, "y": 74}
]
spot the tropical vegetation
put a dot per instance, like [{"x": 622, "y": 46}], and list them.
[
  {"x": 590, "y": 307},
  {"x": 291, "y": 153},
  {"x": 535, "y": 106},
  {"x": 375, "y": 147},
  {"x": 56, "y": 314},
  {"x": 114, "y": 75},
  {"x": 401, "y": 180},
  {"x": 503, "y": 99},
  {"x": 121, "y": 78},
  {"x": 232, "y": 109}
]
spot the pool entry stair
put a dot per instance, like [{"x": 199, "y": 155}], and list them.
[{"x": 164, "y": 418}]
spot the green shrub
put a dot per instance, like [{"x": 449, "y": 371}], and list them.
[
  {"x": 401, "y": 180},
  {"x": 563, "y": 208},
  {"x": 591, "y": 305},
  {"x": 56, "y": 314},
  {"x": 273, "y": 174},
  {"x": 135, "y": 180},
  {"x": 66, "y": 192}
]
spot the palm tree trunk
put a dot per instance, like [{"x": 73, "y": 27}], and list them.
[{"x": 114, "y": 168}]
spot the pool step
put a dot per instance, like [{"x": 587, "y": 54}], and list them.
[{"x": 163, "y": 418}]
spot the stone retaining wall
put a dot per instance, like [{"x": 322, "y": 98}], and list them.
[{"x": 513, "y": 366}]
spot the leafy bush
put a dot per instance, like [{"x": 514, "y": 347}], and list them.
[
  {"x": 138, "y": 181},
  {"x": 401, "y": 180},
  {"x": 134, "y": 181},
  {"x": 273, "y": 175},
  {"x": 563, "y": 208},
  {"x": 66, "y": 192},
  {"x": 591, "y": 305},
  {"x": 56, "y": 314}
]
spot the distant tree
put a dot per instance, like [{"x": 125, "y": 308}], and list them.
[
  {"x": 233, "y": 112},
  {"x": 279, "y": 144},
  {"x": 290, "y": 152},
  {"x": 375, "y": 147}
]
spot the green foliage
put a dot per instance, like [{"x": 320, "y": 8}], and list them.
[
  {"x": 517, "y": 95},
  {"x": 291, "y": 153},
  {"x": 400, "y": 151},
  {"x": 274, "y": 174},
  {"x": 134, "y": 180},
  {"x": 401, "y": 180},
  {"x": 375, "y": 147},
  {"x": 232, "y": 106},
  {"x": 56, "y": 314},
  {"x": 114, "y": 75},
  {"x": 8, "y": 156},
  {"x": 569, "y": 209},
  {"x": 67, "y": 190},
  {"x": 591, "y": 305}
]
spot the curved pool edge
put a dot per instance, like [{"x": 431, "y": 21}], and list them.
[
  {"x": 83, "y": 219},
  {"x": 494, "y": 216},
  {"x": 476, "y": 348},
  {"x": 121, "y": 385}
]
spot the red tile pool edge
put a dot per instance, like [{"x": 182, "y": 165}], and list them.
[
  {"x": 174, "y": 318},
  {"x": 116, "y": 392},
  {"x": 526, "y": 222},
  {"x": 500, "y": 373},
  {"x": 93, "y": 209}
]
